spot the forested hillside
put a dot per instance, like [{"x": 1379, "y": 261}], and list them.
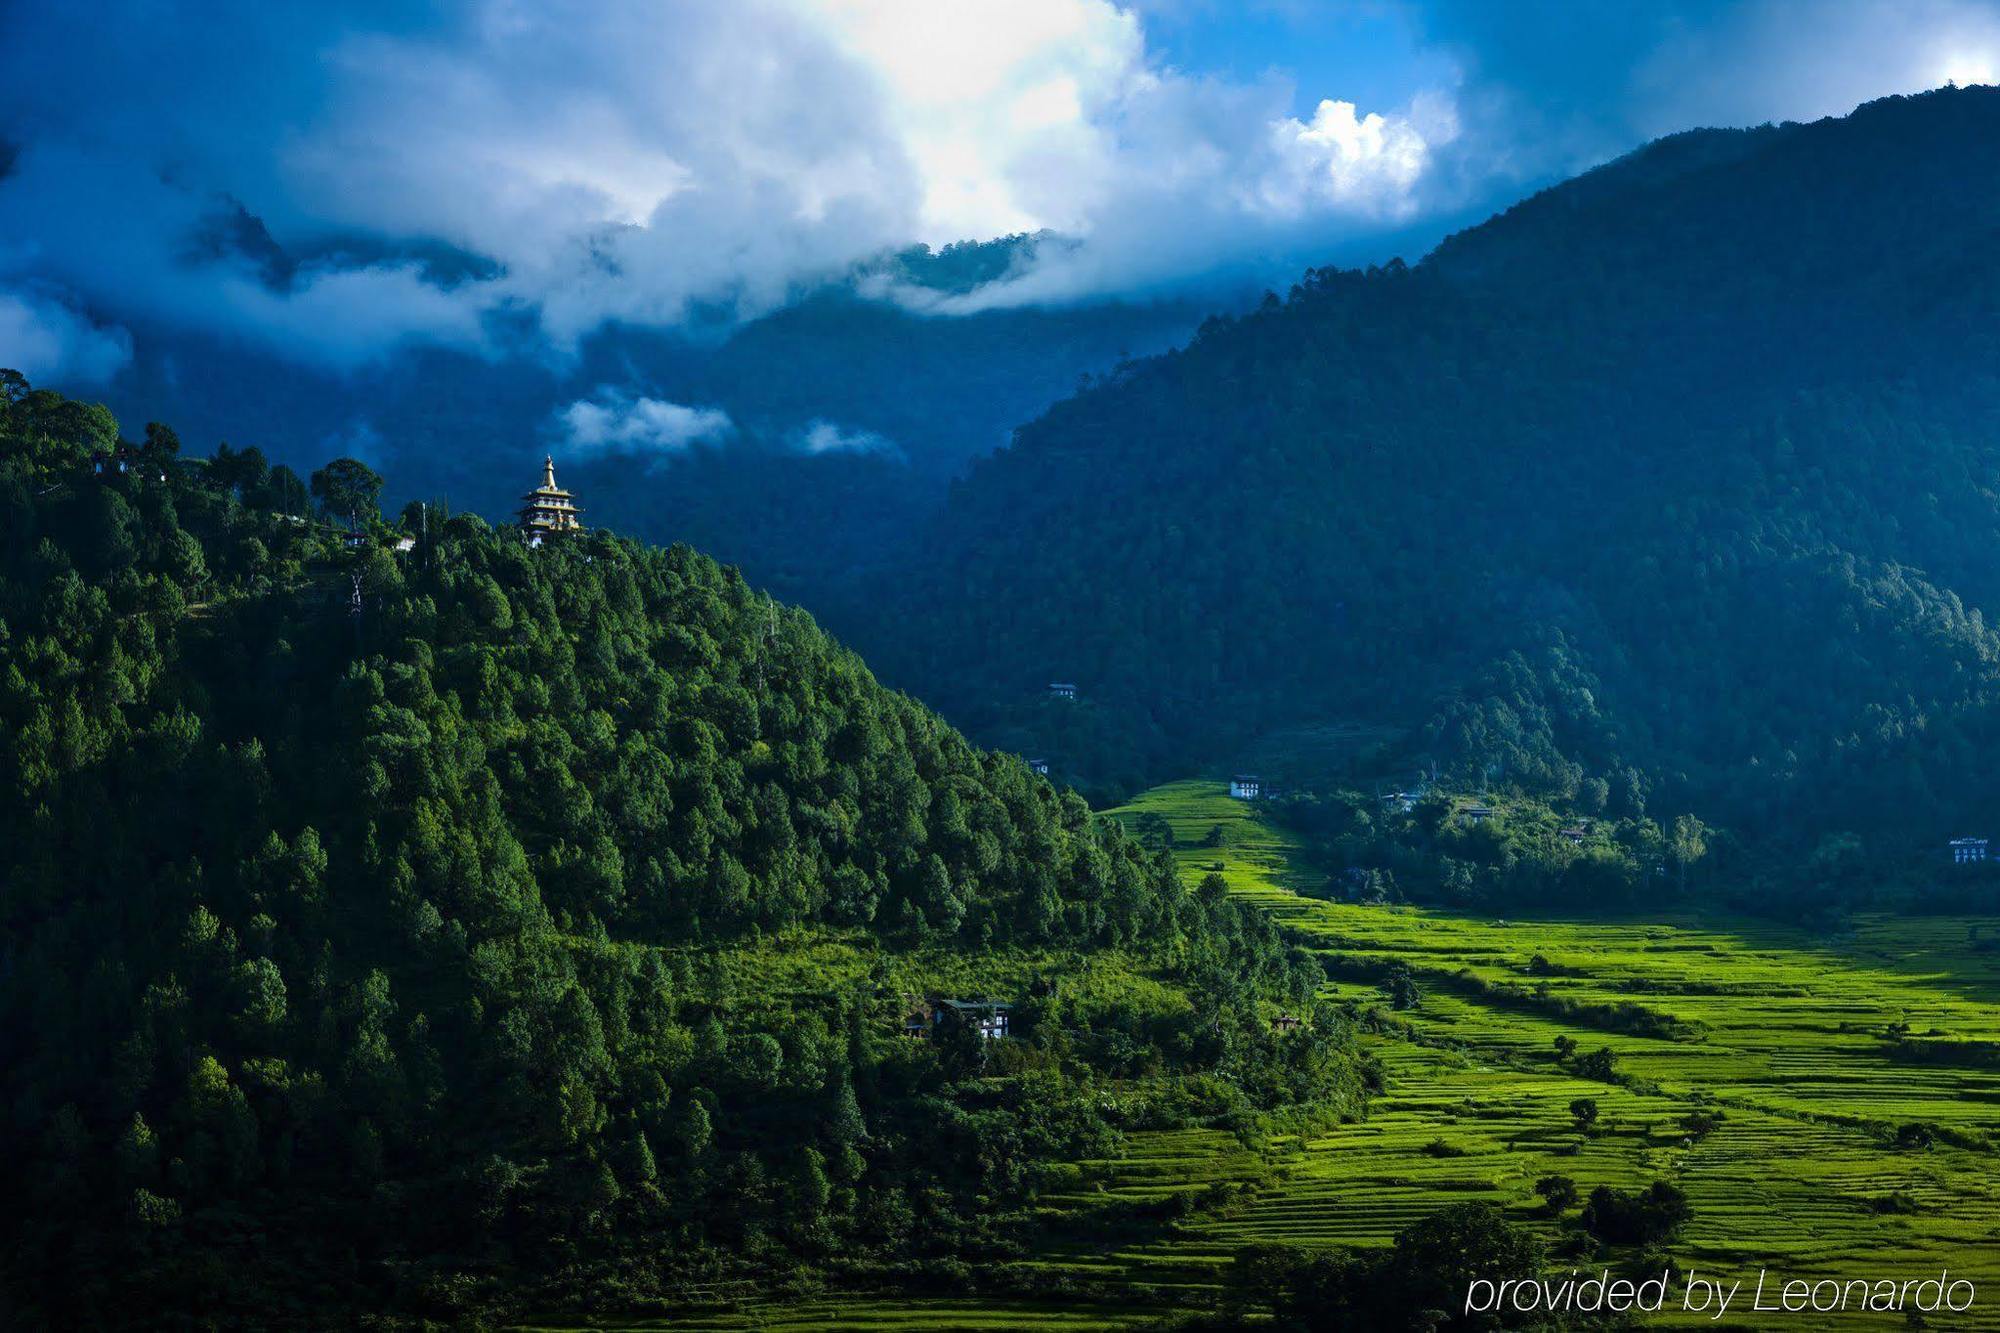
[
  {"x": 1676, "y": 486},
  {"x": 395, "y": 919}
]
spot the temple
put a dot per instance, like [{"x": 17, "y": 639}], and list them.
[{"x": 548, "y": 509}]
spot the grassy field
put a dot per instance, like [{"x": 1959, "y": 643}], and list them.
[{"x": 1779, "y": 1030}]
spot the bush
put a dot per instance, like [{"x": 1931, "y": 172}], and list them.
[{"x": 1643, "y": 1217}]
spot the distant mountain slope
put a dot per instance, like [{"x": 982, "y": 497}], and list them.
[
  {"x": 1684, "y": 473},
  {"x": 902, "y": 400}
]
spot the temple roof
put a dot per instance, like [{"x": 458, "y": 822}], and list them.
[{"x": 548, "y": 490}]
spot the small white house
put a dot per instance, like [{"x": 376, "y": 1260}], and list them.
[
  {"x": 1062, "y": 689},
  {"x": 1968, "y": 851},
  {"x": 405, "y": 545},
  {"x": 1040, "y": 766},
  {"x": 1246, "y": 787}
]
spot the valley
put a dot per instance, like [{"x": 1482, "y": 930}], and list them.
[
  {"x": 1784, "y": 1042},
  {"x": 1780, "y": 1040}
]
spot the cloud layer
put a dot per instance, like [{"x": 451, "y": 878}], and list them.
[
  {"x": 613, "y": 423},
  {"x": 335, "y": 180},
  {"x": 41, "y": 337}
]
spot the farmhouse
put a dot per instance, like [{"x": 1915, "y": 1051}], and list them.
[
  {"x": 1246, "y": 787},
  {"x": 1575, "y": 833},
  {"x": 1477, "y": 814},
  {"x": 1040, "y": 766},
  {"x": 1968, "y": 851},
  {"x": 988, "y": 1018},
  {"x": 1400, "y": 801},
  {"x": 1062, "y": 689},
  {"x": 548, "y": 510},
  {"x": 1287, "y": 1023}
]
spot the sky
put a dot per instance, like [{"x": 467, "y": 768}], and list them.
[{"x": 337, "y": 182}]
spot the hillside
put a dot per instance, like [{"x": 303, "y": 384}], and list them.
[
  {"x": 401, "y": 921},
  {"x": 1673, "y": 486}
]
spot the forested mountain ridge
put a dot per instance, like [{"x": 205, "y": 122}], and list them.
[
  {"x": 1676, "y": 482},
  {"x": 393, "y": 931}
]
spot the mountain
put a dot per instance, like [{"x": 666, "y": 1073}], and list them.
[
  {"x": 845, "y": 413},
  {"x": 397, "y": 921},
  {"x": 1676, "y": 482}
]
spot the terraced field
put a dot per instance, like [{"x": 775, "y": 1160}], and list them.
[{"x": 1779, "y": 1030}]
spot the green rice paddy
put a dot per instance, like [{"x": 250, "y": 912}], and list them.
[
  {"x": 1780, "y": 1030},
  {"x": 1791, "y": 1036}
]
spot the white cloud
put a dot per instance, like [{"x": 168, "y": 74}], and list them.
[
  {"x": 613, "y": 423},
  {"x": 1370, "y": 163},
  {"x": 638, "y": 162},
  {"x": 46, "y": 340},
  {"x": 821, "y": 436}
]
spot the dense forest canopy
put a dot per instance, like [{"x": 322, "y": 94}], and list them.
[
  {"x": 1674, "y": 487},
  {"x": 392, "y": 915}
]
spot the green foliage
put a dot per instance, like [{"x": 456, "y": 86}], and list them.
[
  {"x": 1419, "y": 1282},
  {"x": 1558, "y": 1192},
  {"x": 348, "y": 490},
  {"x": 397, "y": 932},
  {"x": 1639, "y": 1217}
]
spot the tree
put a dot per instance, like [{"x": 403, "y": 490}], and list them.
[
  {"x": 348, "y": 487},
  {"x": 1700, "y": 1124},
  {"x": 1585, "y": 1111},
  {"x": 1689, "y": 843},
  {"x": 1565, "y": 1048},
  {"x": 1644, "y": 1217},
  {"x": 1600, "y": 1064},
  {"x": 284, "y": 492},
  {"x": 243, "y": 473},
  {"x": 1558, "y": 1192},
  {"x": 1403, "y": 991}
]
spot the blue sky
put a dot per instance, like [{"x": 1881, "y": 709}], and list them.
[{"x": 291, "y": 173}]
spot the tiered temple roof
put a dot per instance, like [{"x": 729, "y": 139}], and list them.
[{"x": 548, "y": 508}]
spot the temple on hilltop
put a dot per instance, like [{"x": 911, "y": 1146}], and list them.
[{"x": 548, "y": 509}]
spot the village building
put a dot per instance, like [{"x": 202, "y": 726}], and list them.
[
  {"x": 122, "y": 461},
  {"x": 1062, "y": 689},
  {"x": 1040, "y": 766},
  {"x": 1575, "y": 833},
  {"x": 988, "y": 1018},
  {"x": 548, "y": 510},
  {"x": 1477, "y": 814},
  {"x": 1968, "y": 851},
  {"x": 1401, "y": 802},
  {"x": 1246, "y": 787},
  {"x": 1287, "y": 1023},
  {"x": 405, "y": 545}
]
